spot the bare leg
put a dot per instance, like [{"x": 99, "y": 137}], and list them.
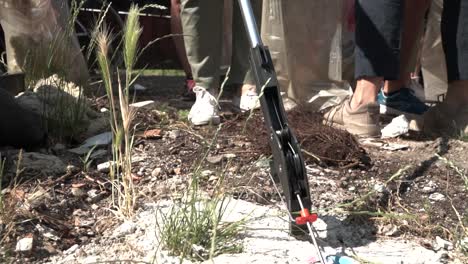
[
  {"x": 176, "y": 28},
  {"x": 366, "y": 91},
  {"x": 412, "y": 29}
]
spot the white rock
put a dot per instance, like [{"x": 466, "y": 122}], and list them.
[
  {"x": 105, "y": 167},
  {"x": 71, "y": 250},
  {"x": 437, "y": 197},
  {"x": 24, "y": 244},
  {"x": 206, "y": 173},
  {"x": 380, "y": 188},
  {"x": 124, "y": 229},
  {"x": 443, "y": 244},
  {"x": 156, "y": 172},
  {"x": 144, "y": 104},
  {"x": 174, "y": 134}
]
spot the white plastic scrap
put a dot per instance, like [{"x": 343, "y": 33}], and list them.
[{"x": 399, "y": 126}]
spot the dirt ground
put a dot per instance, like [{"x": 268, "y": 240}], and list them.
[{"x": 412, "y": 187}]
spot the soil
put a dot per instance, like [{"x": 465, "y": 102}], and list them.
[{"x": 349, "y": 177}]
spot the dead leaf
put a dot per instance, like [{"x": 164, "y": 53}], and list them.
[
  {"x": 177, "y": 171},
  {"x": 152, "y": 134}
]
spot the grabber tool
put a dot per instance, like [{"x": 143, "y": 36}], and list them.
[{"x": 288, "y": 164}]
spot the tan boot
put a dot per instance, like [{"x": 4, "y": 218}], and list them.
[{"x": 363, "y": 121}]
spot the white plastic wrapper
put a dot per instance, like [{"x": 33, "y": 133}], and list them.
[{"x": 311, "y": 48}]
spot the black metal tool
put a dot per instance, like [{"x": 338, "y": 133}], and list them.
[{"x": 288, "y": 163}]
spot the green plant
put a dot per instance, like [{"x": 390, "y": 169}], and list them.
[
  {"x": 86, "y": 160},
  {"x": 121, "y": 114},
  {"x": 193, "y": 228}
]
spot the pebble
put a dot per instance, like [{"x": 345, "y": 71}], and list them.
[
  {"x": 156, "y": 172},
  {"x": 124, "y": 229},
  {"x": 144, "y": 104},
  {"x": 104, "y": 167},
  {"x": 214, "y": 159},
  {"x": 174, "y": 134},
  {"x": 437, "y": 197},
  {"x": 442, "y": 244},
  {"x": 78, "y": 192},
  {"x": 352, "y": 189},
  {"x": 380, "y": 188},
  {"x": 206, "y": 173},
  {"x": 71, "y": 250},
  {"x": 24, "y": 244}
]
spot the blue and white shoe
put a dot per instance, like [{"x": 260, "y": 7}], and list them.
[{"x": 401, "y": 102}]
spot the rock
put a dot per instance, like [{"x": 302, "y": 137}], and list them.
[
  {"x": 72, "y": 168},
  {"x": 19, "y": 127},
  {"x": 156, "y": 172},
  {"x": 229, "y": 155},
  {"x": 150, "y": 104},
  {"x": 124, "y": 229},
  {"x": 105, "y": 167},
  {"x": 138, "y": 88},
  {"x": 429, "y": 188},
  {"x": 71, "y": 250},
  {"x": 215, "y": 159},
  {"x": 437, "y": 197},
  {"x": 59, "y": 147},
  {"x": 380, "y": 188},
  {"x": 174, "y": 134},
  {"x": 442, "y": 244},
  {"x": 352, "y": 189},
  {"x": 78, "y": 192},
  {"x": 41, "y": 163},
  {"x": 96, "y": 126},
  {"x": 24, "y": 244},
  {"x": 206, "y": 173},
  {"x": 98, "y": 140}
]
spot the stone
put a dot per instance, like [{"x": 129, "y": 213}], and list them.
[
  {"x": 215, "y": 159},
  {"x": 124, "y": 229},
  {"x": 41, "y": 163},
  {"x": 437, "y": 197},
  {"x": 150, "y": 104},
  {"x": 102, "y": 139},
  {"x": 78, "y": 192},
  {"x": 71, "y": 250},
  {"x": 105, "y": 167},
  {"x": 19, "y": 127},
  {"x": 59, "y": 147},
  {"x": 442, "y": 244},
  {"x": 156, "y": 172},
  {"x": 174, "y": 134},
  {"x": 97, "y": 126},
  {"x": 380, "y": 188},
  {"x": 24, "y": 244}
]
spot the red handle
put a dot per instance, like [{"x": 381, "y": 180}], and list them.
[{"x": 306, "y": 217}]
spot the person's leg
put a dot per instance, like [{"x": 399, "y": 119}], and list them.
[
  {"x": 396, "y": 97},
  {"x": 413, "y": 27},
  {"x": 202, "y": 27},
  {"x": 176, "y": 28},
  {"x": 451, "y": 116},
  {"x": 454, "y": 29},
  {"x": 241, "y": 74},
  {"x": 377, "y": 57}
]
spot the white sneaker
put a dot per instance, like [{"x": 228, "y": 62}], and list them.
[
  {"x": 205, "y": 109},
  {"x": 247, "y": 101}
]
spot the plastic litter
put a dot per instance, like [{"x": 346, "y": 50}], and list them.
[{"x": 399, "y": 126}]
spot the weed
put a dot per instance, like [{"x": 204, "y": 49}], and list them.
[
  {"x": 182, "y": 114},
  {"x": 193, "y": 228},
  {"x": 86, "y": 160}
]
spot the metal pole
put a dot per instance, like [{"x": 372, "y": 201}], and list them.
[{"x": 250, "y": 24}]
